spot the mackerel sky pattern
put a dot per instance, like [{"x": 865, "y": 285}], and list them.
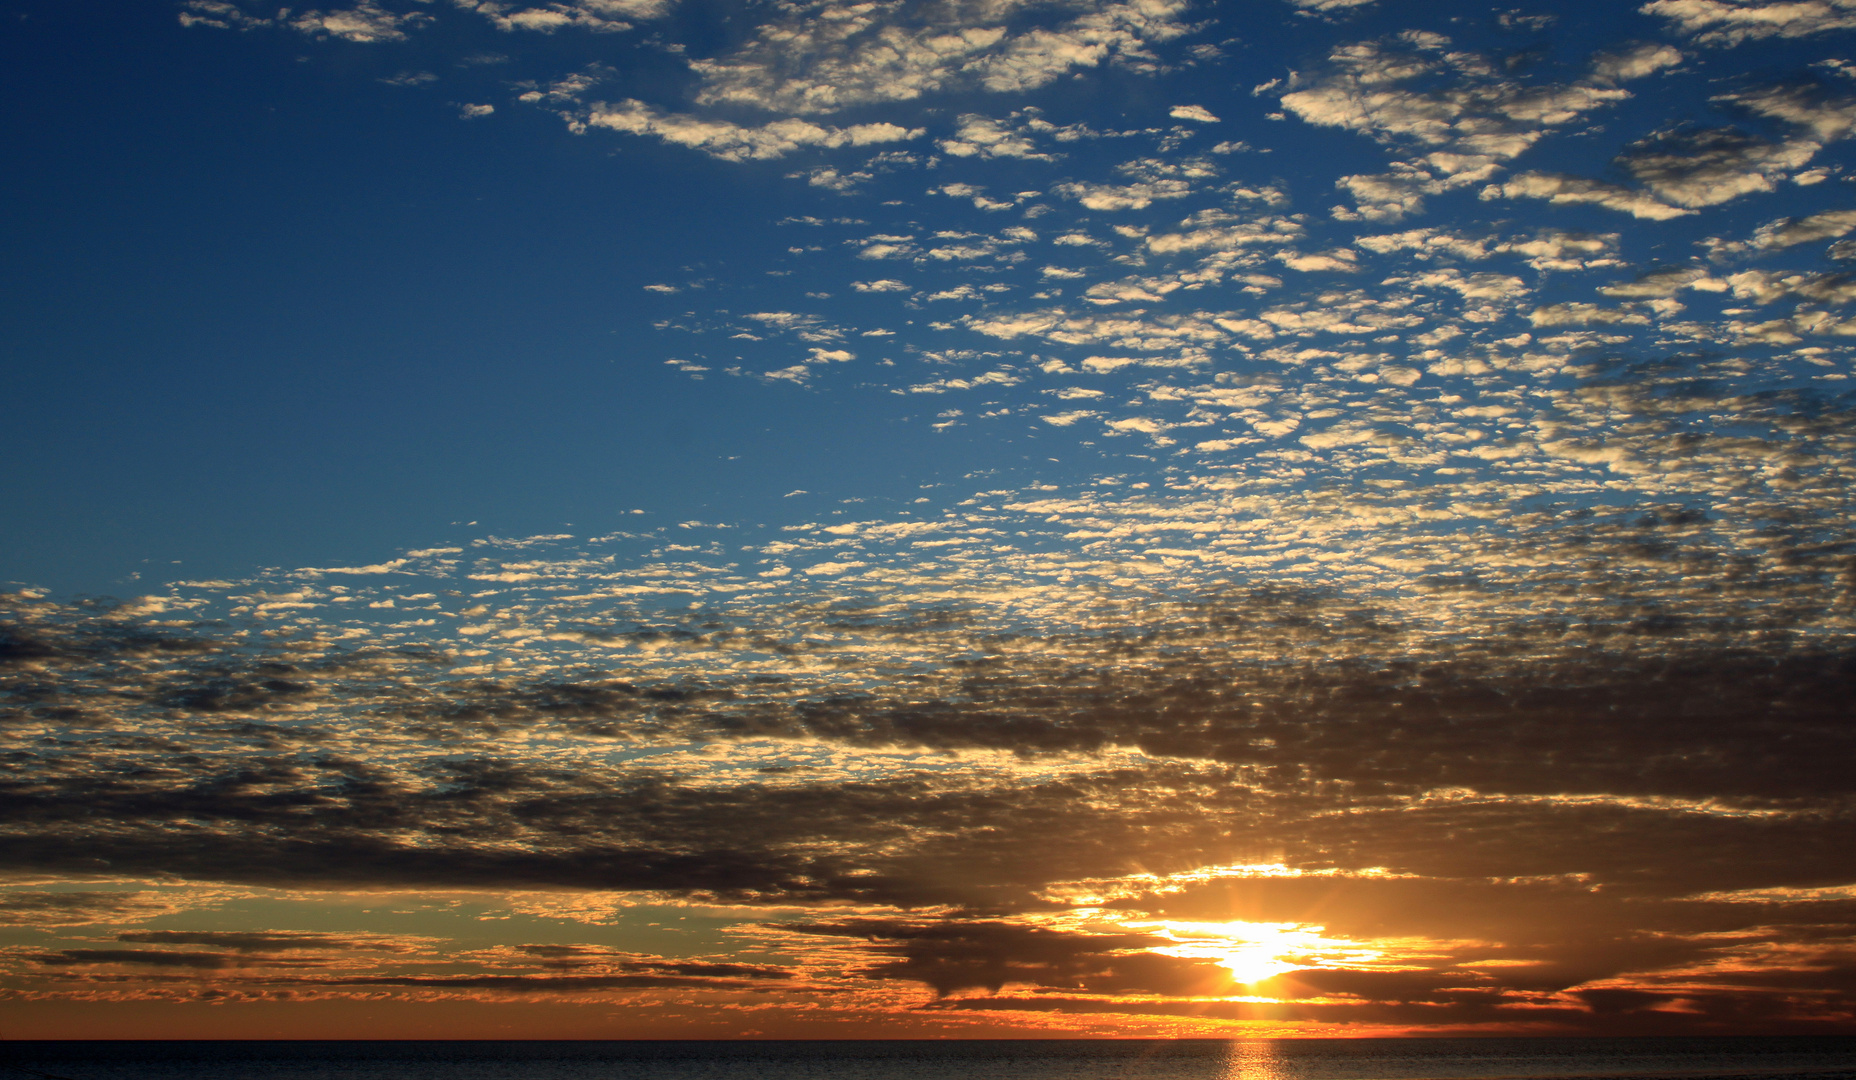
[{"x": 638, "y": 518}]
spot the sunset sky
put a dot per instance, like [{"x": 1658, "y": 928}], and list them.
[{"x": 927, "y": 518}]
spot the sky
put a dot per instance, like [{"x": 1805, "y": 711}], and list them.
[{"x": 943, "y": 519}]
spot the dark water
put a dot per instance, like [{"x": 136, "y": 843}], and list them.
[{"x": 1191, "y": 1059}]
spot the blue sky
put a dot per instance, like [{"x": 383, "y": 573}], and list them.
[{"x": 572, "y": 462}]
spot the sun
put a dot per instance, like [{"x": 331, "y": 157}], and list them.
[{"x": 1255, "y": 951}]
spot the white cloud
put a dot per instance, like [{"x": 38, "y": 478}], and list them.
[
  {"x": 1551, "y": 249},
  {"x": 598, "y": 16},
  {"x": 881, "y": 285},
  {"x": 1583, "y": 315},
  {"x": 829, "y": 55},
  {"x": 1766, "y": 286},
  {"x": 1730, "y": 22},
  {"x": 1635, "y": 64},
  {"x": 1664, "y": 282},
  {"x": 833, "y": 180},
  {"x": 1388, "y": 196},
  {"x": 1706, "y": 167},
  {"x": 1134, "y": 331},
  {"x": 1563, "y": 190},
  {"x": 1209, "y": 229},
  {"x": 735, "y": 142},
  {"x": 1468, "y": 286},
  {"x": 1827, "y": 118},
  {"x": 1464, "y": 129},
  {"x": 365, "y": 22},
  {"x": 1340, "y": 259},
  {"x": 1135, "y": 289},
  {"x": 1153, "y": 178},
  {"x": 984, "y": 137},
  {"x": 1193, "y": 112},
  {"x": 1123, "y": 196},
  {"x": 1789, "y": 232},
  {"x": 1425, "y": 243},
  {"x": 471, "y": 112}
]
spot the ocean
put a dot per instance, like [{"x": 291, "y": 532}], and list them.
[{"x": 1189, "y": 1059}]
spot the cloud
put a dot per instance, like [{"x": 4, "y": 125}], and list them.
[
  {"x": 1551, "y": 249},
  {"x": 1827, "y": 117},
  {"x": 1732, "y": 22},
  {"x": 734, "y": 142},
  {"x": 35, "y": 907},
  {"x": 1455, "y": 109},
  {"x": 1425, "y": 244},
  {"x": 1766, "y": 286},
  {"x": 1566, "y": 190},
  {"x": 1580, "y": 314},
  {"x": 983, "y": 137},
  {"x": 1331, "y": 565},
  {"x": 1635, "y": 63},
  {"x": 830, "y": 56},
  {"x": 1015, "y": 135},
  {"x": 254, "y": 941},
  {"x": 220, "y": 14},
  {"x": 1340, "y": 259},
  {"x": 597, "y": 16},
  {"x": 1706, "y": 167},
  {"x": 1790, "y": 232},
  {"x": 1154, "y": 179},
  {"x": 951, "y": 956},
  {"x": 365, "y": 22},
  {"x": 541, "y": 984},
  {"x": 1664, "y": 282},
  {"x": 1123, "y": 196},
  {"x": 1197, "y": 113}
]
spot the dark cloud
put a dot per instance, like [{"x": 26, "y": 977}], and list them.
[
  {"x": 954, "y": 956},
  {"x": 161, "y": 958},
  {"x": 35, "y": 907},
  {"x": 252, "y": 941},
  {"x": 1703, "y": 167},
  {"x": 545, "y": 984}
]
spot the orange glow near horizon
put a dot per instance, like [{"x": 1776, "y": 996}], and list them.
[{"x": 1255, "y": 951}]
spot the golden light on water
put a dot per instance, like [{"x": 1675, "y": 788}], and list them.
[{"x": 1255, "y": 1059}]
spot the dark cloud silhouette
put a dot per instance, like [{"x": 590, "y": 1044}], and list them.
[
  {"x": 254, "y": 942},
  {"x": 545, "y": 984},
  {"x": 954, "y": 956},
  {"x": 166, "y": 958}
]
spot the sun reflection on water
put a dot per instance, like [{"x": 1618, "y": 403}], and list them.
[{"x": 1255, "y": 1059}]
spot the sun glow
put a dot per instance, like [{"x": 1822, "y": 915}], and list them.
[{"x": 1255, "y": 951}]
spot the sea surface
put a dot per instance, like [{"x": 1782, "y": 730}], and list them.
[{"x": 1189, "y": 1059}]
